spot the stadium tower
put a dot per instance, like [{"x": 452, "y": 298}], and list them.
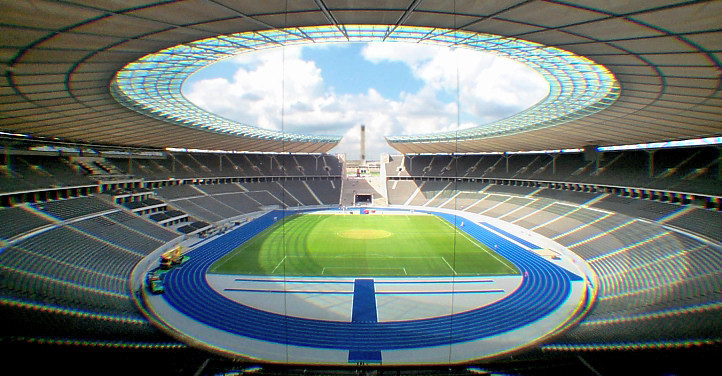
[{"x": 363, "y": 144}]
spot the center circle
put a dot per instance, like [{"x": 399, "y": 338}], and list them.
[{"x": 364, "y": 234}]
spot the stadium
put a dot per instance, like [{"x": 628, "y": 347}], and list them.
[{"x": 140, "y": 234}]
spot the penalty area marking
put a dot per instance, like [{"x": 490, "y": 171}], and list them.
[
  {"x": 449, "y": 265},
  {"x": 279, "y": 264},
  {"x": 478, "y": 244},
  {"x": 372, "y": 256},
  {"x": 356, "y": 273}
]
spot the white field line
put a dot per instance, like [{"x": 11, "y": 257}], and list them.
[
  {"x": 323, "y": 271},
  {"x": 449, "y": 265},
  {"x": 279, "y": 264},
  {"x": 475, "y": 242}
]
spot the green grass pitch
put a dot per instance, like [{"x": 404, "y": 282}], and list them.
[{"x": 363, "y": 245}]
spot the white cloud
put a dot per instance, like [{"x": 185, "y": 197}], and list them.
[{"x": 489, "y": 89}]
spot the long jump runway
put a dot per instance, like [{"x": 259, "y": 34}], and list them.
[{"x": 389, "y": 321}]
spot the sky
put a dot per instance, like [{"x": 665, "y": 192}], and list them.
[{"x": 391, "y": 88}]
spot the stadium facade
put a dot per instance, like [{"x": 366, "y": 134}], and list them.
[{"x": 91, "y": 108}]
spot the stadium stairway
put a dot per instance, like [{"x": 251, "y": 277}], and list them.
[{"x": 350, "y": 187}]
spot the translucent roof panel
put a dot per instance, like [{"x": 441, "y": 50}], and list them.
[{"x": 152, "y": 84}]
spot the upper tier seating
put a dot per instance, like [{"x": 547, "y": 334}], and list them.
[
  {"x": 32, "y": 172},
  {"x": 205, "y": 165},
  {"x": 692, "y": 170},
  {"x": 634, "y": 207}
]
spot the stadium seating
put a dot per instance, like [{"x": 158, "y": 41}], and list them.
[
  {"x": 693, "y": 170},
  {"x": 204, "y": 165},
  {"x": 328, "y": 191},
  {"x": 69, "y": 209},
  {"x": 220, "y": 202},
  {"x": 115, "y": 233},
  {"x": 700, "y": 221},
  {"x": 68, "y": 277},
  {"x": 18, "y": 220},
  {"x": 655, "y": 262},
  {"x": 32, "y": 172},
  {"x": 647, "y": 272}
]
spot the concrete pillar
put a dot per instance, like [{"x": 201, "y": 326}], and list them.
[
  {"x": 650, "y": 163},
  {"x": 719, "y": 163}
]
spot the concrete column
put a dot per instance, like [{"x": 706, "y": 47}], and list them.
[
  {"x": 719, "y": 163},
  {"x": 650, "y": 163}
]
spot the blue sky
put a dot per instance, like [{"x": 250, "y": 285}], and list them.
[
  {"x": 392, "y": 88},
  {"x": 346, "y": 71}
]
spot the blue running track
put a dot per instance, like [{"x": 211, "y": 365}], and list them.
[{"x": 545, "y": 288}]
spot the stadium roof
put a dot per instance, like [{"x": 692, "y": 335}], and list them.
[{"x": 59, "y": 60}]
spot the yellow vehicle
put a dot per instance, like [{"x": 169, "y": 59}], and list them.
[{"x": 172, "y": 258}]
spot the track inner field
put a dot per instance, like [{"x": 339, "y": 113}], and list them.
[{"x": 363, "y": 245}]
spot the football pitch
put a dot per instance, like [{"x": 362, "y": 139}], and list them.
[{"x": 342, "y": 245}]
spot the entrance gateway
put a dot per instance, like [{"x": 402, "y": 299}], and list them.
[{"x": 363, "y": 199}]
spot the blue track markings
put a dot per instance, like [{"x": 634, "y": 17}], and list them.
[
  {"x": 309, "y": 292},
  {"x": 511, "y": 236},
  {"x": 364, "y": 356},
  {"x": 542, "y": 291}
]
